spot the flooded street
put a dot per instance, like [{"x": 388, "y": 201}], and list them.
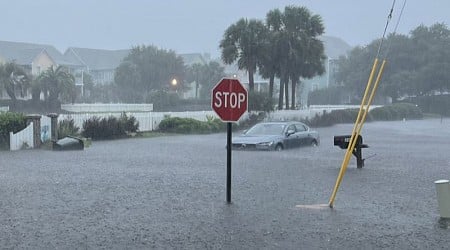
[{"x": 169, "y": 192}]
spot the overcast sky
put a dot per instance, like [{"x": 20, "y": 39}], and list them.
[{"x": 195, "y": 25}]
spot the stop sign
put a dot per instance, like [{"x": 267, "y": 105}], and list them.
[{"x": 229, "y": 99}]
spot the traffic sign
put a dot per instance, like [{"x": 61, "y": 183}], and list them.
[{"x": 229, "y": 99}]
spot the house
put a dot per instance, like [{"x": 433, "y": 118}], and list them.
[
  {"x": 34, "y": 58},
  {"x": 334, "y": 48},
  {"x": 99, "y": 63}
]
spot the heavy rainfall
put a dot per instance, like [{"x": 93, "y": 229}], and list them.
[{"x": 225, "y": 125}]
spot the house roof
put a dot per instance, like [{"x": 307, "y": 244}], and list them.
[
  {"x": 24, "y": 53},
  {"x": 193, "y": 58},
  {"x": 334, "y": 46},
  {"x": 96, "y": 59}
]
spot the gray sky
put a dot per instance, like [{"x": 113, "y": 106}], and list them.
[{"x": 195, "y": 25}]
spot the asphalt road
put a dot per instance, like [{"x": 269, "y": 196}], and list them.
[{"x": 169, "y": 192}]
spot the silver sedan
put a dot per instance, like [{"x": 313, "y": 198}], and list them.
[{"x": 276, "y": 136}]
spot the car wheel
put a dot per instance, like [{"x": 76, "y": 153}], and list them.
[
  {"x": 279, "y": 147},
  {"x": 314, "y": 143}
]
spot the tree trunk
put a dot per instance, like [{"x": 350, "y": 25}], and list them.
[
  {"x": 271, "y": 82},
  {"x": 196, "y": 90},
  {"x": 294, "y": 84},
  {"x": 251, "y": 81},
  {"x": 286, "y": 92},
  {"x": 280, "y": 94}
]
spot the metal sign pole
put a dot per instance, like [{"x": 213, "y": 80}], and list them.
[{"x": 229, "y": 162}]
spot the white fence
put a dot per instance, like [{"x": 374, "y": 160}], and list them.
[
  {"x": 148, "y": 121},
  {"x": 4, "y": 109},
  {"x": 22, "y": 139},
  {"x": 106, "y": 107}
]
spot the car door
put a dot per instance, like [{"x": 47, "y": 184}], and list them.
[
  {"x": 292, "y": 140},
  {"x": 302, "y": 134}
]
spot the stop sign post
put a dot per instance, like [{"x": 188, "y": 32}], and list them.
[{"x": 229, "y": 101}]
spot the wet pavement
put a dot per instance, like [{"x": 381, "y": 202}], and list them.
[{"x": 169, "y": 192}]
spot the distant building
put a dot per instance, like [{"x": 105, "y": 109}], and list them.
[
  {"x": 100, "y": 64},
  {"x": 34, "y": 58},
  {"x": 334, "y": 48}
]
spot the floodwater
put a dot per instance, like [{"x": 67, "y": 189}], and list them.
[{"x": 169, "y": 192}]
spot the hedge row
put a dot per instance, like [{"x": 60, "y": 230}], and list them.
[
  {"x": 111, "y": 127},
  {"x": 191, "y": 126},
  {"x": 392, "y": 112},
  {"x": 10, "y": 122}
]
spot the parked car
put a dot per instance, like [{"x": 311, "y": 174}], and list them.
[{"x": 276, "y": 136}]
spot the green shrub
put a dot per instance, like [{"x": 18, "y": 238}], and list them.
[
  {"x": 110, "y": 127},
  {"x": 334, "y": 117},
  {"x": 129, "y": 124},
  {"x": 10, "y": 122},
  {"x": 397, "y": 111},
  {"x": 260, "y": 101},
  {"x": 392, "y": 112},
  {"x": 190, "y": 126},
  {"x": 67, "y": 127}
]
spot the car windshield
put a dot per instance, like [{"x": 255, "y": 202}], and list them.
[{"x": 266, "y": 129}]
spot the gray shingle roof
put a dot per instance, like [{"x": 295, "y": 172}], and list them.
[
  {"x": 96, "y": 59},
  {"x": 24, "y": 53}
]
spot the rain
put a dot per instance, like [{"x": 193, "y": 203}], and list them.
[{"x": 125, "y": 125}]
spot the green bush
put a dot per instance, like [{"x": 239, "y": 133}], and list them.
[
  {"x": 67, "y": 127},
  {"x": 436, "y": 104},
  {"x": 397, "y": 111},
  {"x": 335, "y": 117},
  {"x": 98, "y": 128},
  {"x": 260, "y": 101},
  {"x": 190, "y": 126},
  {"x": 392, "y": 112},
  {"x": 10, "y": 122},
  {"x": 129, "y": 124}
]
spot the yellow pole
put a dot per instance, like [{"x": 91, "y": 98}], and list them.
[
  {"x": 372, "y": 94},
  {"x": 356, "y": 128}
]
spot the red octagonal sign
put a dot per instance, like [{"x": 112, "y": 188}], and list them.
[{"x": 229, "y": 99}]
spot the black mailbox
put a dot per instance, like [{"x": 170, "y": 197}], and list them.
[{"x": 343, "y": 141}]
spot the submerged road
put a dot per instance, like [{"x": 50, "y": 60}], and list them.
[{"x": 169, "y": 192}]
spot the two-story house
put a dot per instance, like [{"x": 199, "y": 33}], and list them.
[
  {"x": 99, "y": 63},
  {"x": 34, "y": 58}
]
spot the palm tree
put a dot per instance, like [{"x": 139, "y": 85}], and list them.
[
  {"x": 268, "y": 64},
  {"x": 57, "y": 83},
  {"x": 13, "y": 79},
  {"x": 301, "y": 53},
  {"x": 243, "y": 41}
]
